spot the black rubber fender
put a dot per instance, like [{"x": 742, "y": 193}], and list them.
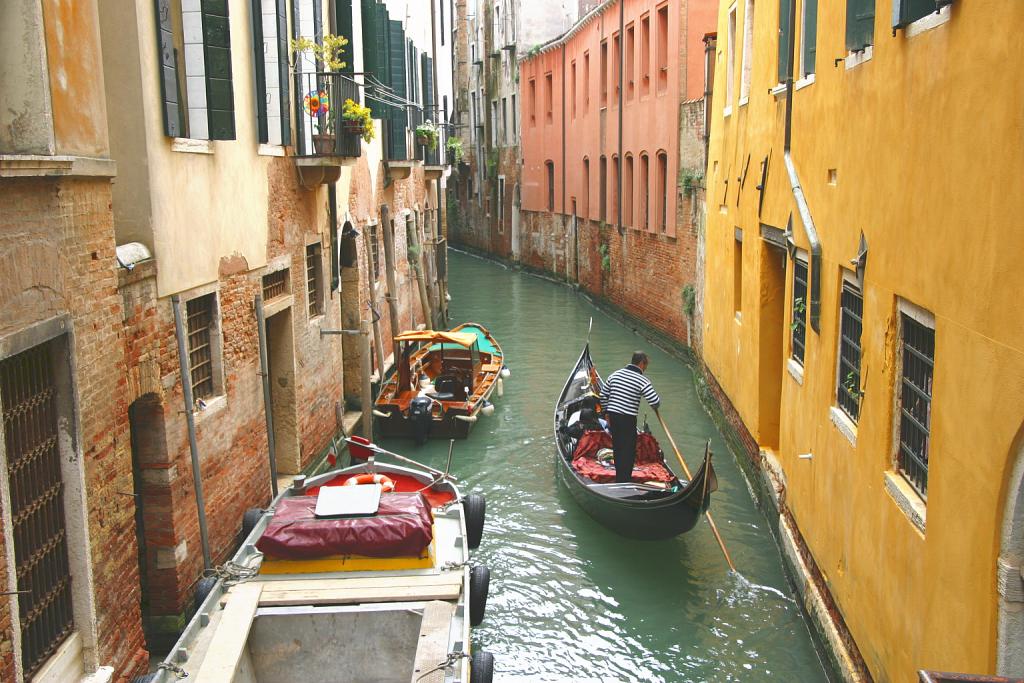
[
  {"x": 250, "y": 519},
  {"x": 481, "y": 667},
  {"x": 479, "y": 585},
  {"x": 203, "y": 588},
  {"x": 474, "y": 506}
]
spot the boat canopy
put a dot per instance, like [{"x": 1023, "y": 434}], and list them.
[{"x": 433, "y": 336}]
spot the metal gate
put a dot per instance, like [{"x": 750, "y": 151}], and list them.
[{"x": 28, "y": 398}]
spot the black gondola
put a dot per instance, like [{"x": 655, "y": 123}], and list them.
[{"x": 636, "y": 510}]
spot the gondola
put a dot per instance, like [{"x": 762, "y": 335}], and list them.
[
  {"x": 442, "y": 383},
  {"x": 646, "y": 510}
]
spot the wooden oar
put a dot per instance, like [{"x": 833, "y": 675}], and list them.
[{"x": 686, "y": 469}]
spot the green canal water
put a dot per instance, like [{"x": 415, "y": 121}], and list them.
[{"x": 570, "y": 600}]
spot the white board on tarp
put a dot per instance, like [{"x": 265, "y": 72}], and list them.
[{"x": 347, "y": 501}]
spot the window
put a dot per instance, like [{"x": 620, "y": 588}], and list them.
[
  {"x": 603, "y": 190},
  {"x": 604, "y": 73},
  {"x": 197, "y": 96},
  {"x": 809, "y": 39},
  {"x": 645, "y": 55},
  {"x": 798, "y": 326},
  {"x": 315, "y": 279},
  {"x": 572, "y": 87},
  {"x": 662, "y": 61},
  {"x": 915, "y": 395},
  {"x": 860, "y": 24},
  {"x": 905, "y": 12},
  {"x": 613, "y": 190},
  {"x": 200, "y": 316},
  {"x": 275, "y": 284},
  {"x": 504, "y": 121},
  {"x": 501, "y": 203},
  {"x": 31, "y": 403},
  {"x": 627, "y": 192},
  {"x": 616, "y": 66},
  {"x": 586, "y": 188},
  {"x": 748, "y": 50},
  {"x": 662, "y": 192},
  {"x": 514, "y": 131},
  {"x": 785, "y": 6},
  {"x": 586, "y": 82},
  {"x": 737, "y": 273},
  {"x": 550, "y": 165},
  {"x": 630, "y": 54},
  {"x": 548, "y": 98},
  {"x": 851, "y": 312},
  {"x": 494, "y": 123},
  {"x": 730, "y": 55},
  {"x": 644, "y": 219},
  {"x": 532, "y": 103},
  {"x": 270, "y": 41}
]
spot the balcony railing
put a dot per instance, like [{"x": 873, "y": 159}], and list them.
[{"x": 322, "y": 131}]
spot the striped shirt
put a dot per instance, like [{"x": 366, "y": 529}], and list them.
[{"x": 622, "y": 391}]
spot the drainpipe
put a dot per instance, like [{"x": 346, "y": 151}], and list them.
[
  {"x": 268, "y": 410},
  {"x": 622, "y": 71},
  {"x": 190, "y": 420},
  {"x": 794, "y": 181}
]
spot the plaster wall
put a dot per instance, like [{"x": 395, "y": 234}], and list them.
[
  {"x": 873, "y": 145},
  {"x": 26, "y": 116}
]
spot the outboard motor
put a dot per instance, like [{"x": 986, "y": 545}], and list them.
[{"x": 420, "y": 419}]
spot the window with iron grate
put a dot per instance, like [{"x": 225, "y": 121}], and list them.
[
  {"x": 848, "y": 393},
  {"x": 200, "y": 316},
  {"x": 29, "y": 400},
  {"x": 798, "y": 325},
  {"x": 275, "y": 284},
  {"x": 315, "y": 279},
  {"x": 915, "y": 399}
]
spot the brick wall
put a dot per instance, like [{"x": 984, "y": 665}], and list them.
[{"x": 57, "y": 247}]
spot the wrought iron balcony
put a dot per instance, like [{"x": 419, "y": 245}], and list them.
[{"x": 323, "y": 131}]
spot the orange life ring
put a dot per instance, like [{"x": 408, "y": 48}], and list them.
[{"x": 385, "y": 481}]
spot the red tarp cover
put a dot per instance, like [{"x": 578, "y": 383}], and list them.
[
  {"x": 648, "y": 465},
  {"x": 401, "y": 527}
]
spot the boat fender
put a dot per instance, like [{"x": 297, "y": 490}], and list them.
[
  {"x": 481, "y": 667},
  {"x": 466, "y": 418},
  {"x": 380, "y": 413},
  {"x": 501, "y": 387},
  {"x": 479, "y": 582},
  {"x": 488, "y": 408},
  {"x": 250, "y": 519},
  {"x": 474, "y": 507},
  {"x": 385, "y": 481},
  {"x": 204, "y": 587},
  {"x": 505, "y": 372}
]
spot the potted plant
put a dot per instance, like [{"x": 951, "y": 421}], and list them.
[
  {"x": 357, "y": 119},
  {"x": 325, "y": 55},
  {"x": 317, "y": 104},
  {"x": 426, "y": 134},
  {"x": 454, "y": 148}
]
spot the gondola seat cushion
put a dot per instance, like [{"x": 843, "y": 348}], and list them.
[
  {"x": 649, "y": 465},
  {"x": 403, "y": 526}
]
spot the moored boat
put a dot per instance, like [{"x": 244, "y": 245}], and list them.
[
  {"x": 656, "y": 504},
  {"x": 358, "y": 574},
  {"x": 442, "y": 383}
]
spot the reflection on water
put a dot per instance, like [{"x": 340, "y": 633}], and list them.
[{"x": 570, "y": 600}]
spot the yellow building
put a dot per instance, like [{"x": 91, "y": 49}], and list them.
[{"x": 862, "y": 312}]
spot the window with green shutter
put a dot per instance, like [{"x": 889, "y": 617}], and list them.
[
  {"x": 283, "y": 75},
  {"x": 220, "y": 94},
  {"x": 343, "y": 17},
  {"x": 399, "y": 120},
  {"x": 260, "y": 70},
  {"x": 810, "y": 37},
  {"x": 270, "y": 70},
  {"x": 785, "y": 7},
  {"x": 860, "y": 24},
  {"x": 171, "y": 108},
  {"x": 905, "y": 12}
]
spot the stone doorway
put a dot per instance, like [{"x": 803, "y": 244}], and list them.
[
  {"x": 281, "y": 362},
  {"x": 1010, "y": 572}
]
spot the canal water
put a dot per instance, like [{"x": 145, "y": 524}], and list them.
[{"x": 569, "y": 600}]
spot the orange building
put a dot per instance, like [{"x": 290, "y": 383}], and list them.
[{"x": 613, "y": 154}]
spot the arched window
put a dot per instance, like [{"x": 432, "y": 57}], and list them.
[
  {"x": 643, "y": 198},
  {"x": 627, "y": 191},
  {"x": 585, "y": 190},
  {"x": 661, "y": 192}
]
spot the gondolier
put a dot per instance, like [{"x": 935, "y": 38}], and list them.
[{"x": 620, "y": 398}]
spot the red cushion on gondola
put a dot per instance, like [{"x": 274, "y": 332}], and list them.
[
  {"x": 401, "y": 527},
  {"x": 648, "y": 467}
]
